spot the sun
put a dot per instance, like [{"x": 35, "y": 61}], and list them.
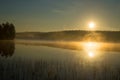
[{"x": 91, "y": 25}]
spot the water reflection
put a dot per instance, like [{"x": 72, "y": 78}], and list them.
[
  {"x": 7, "y": 48},
  {"x": 91, "y": 54},
  {"x": 73, "y": 45},
  {"x": 91, "y": 48},
  {"x": 59, "y": 64}
]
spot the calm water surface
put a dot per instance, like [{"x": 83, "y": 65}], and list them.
[
  {"x": 57, "y": 54},
  {"x": 53, "y": 63}
]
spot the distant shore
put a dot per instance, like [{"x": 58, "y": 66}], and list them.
[{"x": 75, "y": 35}]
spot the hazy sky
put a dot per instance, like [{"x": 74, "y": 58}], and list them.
[{"x": 52, "y": 15}]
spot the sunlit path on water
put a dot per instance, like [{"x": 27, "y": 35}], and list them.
[{"x": 91, "y": 48}]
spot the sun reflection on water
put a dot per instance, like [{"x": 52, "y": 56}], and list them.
[
  {"x": 91, "y": 54},
  {"x": 91, "y": 48}
]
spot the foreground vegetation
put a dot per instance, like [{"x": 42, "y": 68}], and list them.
[{"x": 55, "y": 70}]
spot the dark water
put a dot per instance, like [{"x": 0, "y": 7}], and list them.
[{"x": 31, "y": 62}]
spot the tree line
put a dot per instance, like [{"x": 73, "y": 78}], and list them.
[{"x": 7, "y": 31}]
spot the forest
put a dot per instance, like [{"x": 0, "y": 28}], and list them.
[
  {"x": 7, "y": 31},
  {"x": 75, "y": 35}
]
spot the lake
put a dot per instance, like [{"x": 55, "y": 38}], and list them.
[{"x": 46, "y": 60}]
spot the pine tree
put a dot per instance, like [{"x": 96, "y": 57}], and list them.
[{"x": 7, "y": 31}]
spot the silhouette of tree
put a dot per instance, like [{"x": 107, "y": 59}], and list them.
[
  {"x": 7, "y": 31},
  {"x": 12, "y": 31},
  {"x": 1, "y": 31}
]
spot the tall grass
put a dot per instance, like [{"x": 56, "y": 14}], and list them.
[{"x": 19, "y": 69}]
